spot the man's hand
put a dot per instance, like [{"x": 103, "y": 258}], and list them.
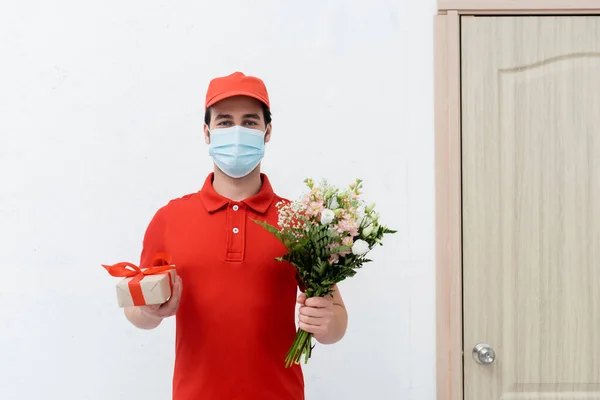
[
  {"x": 149, "y": 317},
  {"x": 166, "y": 309},
  {"x": 325, "y": 317},
  {"x": 316, "y": 315}
]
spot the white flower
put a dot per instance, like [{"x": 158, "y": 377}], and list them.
[
  {"x": 360, "y": 247},
  {"x": 327, "y": 216}
]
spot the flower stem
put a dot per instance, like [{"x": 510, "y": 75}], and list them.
[{"x": 301, "y": 346}]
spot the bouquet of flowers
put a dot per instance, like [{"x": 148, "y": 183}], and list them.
[{"x": 328, "y": 233}]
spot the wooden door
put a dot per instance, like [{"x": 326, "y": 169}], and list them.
[{"x": 531, "y": 206}]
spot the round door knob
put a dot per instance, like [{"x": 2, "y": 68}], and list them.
[{"x": 484, "y": 354}]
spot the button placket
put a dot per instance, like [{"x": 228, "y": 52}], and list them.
[{"x": 236, "y": 235}]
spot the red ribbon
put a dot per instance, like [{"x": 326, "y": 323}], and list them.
[{"x": 126, "y": 270}]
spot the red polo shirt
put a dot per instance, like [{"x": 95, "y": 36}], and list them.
[{"x": 236, "y": 318}]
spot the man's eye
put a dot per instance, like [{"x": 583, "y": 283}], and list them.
[
  {"x": 224, "y": 123},
  {"x": 251, "y": 123}
]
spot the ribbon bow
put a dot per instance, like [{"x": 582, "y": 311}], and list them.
[{"x": 127, "y": 270}]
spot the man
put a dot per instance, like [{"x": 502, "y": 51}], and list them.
[{"x": 235, "y": 320}]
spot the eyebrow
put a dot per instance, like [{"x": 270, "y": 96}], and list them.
[{"x": 229, "y": 116}]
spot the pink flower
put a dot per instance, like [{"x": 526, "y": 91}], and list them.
[
  {"x": 349, "y": 225},
  {"x": 334, "y": 258},
  {"x": 332, "y": 246},
  {"x": 315, "y": 208},
  {"x": 346, "y": 241}
]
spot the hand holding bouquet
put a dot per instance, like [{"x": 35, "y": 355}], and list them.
[{"x": 328, "y": 232}]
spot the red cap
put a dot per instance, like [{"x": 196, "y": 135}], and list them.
[{"x": 236, "y": 84}]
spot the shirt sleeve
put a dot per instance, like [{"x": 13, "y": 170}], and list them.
[{"x": 154, "y": 239}]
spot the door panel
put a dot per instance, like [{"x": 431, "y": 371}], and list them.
[{"x": 531, "y": 206}]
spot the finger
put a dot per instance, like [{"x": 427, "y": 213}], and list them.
[
  {"x": 170, "y": 307},
  {"x": 312, "y": 312},
  {"x": 170, "y": 310},
  {"x": 176, "y": 290},
  {"x": 318, "y": 302},
  {"x": 167, "y": 309},
  {"x": 302, "y": 298},
  {"x": 179, "y": 287},
  {"x": 315, "y": 321},
  {"x": 314, "y": 329}
]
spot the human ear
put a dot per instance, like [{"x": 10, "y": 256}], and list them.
[
  {"x": 268, "y": 133},
  {"x": 206, "y": 134}
]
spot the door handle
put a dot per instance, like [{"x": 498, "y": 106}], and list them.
[{"x": 484, "y": 354}]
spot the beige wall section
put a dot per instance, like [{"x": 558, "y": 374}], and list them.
[
  {"x": 516, "y": 5},
  {"x": 448, "y": 210}
]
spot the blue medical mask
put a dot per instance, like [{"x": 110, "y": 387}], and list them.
[{"x": 236, "y": 150}]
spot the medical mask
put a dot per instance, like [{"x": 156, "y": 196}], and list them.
[{"x": 236, "y": 150}]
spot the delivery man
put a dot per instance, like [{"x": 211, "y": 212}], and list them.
[{"x": 235, "y": 319}]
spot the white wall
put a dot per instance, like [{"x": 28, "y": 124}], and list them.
[{"x": 100, "y": 124}]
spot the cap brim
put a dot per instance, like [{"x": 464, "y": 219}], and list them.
[{"x": 227, "y": 95}]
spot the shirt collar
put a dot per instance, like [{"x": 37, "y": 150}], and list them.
[{"x": 259, "y": 202}]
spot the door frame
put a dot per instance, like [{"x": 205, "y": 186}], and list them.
[{"x": 447, "y": 126}]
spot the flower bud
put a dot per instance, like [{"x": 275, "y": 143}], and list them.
[
  {"x": 369, "y": 208},
  {"x": 375, "y": 230},
  {"x": 328, "y": 193},
  {"x": 367, "y": 231},
  {"x": 334, "y": 203}
]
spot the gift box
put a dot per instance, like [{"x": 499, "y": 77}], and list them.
[{"x": 144, "y": 286}]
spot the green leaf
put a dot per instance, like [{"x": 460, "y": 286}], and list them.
[
  {"x": 388, "y": 230},
  {"x": 341, "y": 249}
]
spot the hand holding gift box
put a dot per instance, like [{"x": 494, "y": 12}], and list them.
[{"x": 144, "y": 286}]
